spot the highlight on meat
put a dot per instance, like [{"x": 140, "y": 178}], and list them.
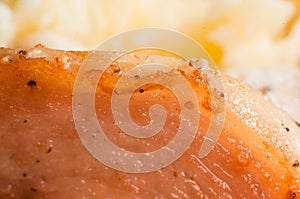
[{"x": 84, "y": 99}]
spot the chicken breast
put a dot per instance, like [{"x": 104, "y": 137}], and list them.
[{"x": 42, "y": 156}]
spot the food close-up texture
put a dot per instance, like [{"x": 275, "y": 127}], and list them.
[{"x": 254, "y": 44}]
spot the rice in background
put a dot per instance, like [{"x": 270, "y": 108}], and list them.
[{"x": 237, "y": 33}]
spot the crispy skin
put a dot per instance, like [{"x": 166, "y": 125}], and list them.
[{"x": 42, "y": 156}]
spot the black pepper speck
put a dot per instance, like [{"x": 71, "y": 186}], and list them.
[
  {"x": 296, "y": 163},
  {"x": 291, "y": 195},
  {"x": 31, "y": 83},
  {"x": 49, "y": 150},
  {"x": 33, "y": 189},
  {"x": 141, "y": 90},
  {"x": 22, "y": 52}
]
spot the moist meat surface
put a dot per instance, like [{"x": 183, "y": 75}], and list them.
[{"x": 256, "y": 156}]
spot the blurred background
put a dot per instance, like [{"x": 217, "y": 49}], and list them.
[
  {"x": 255, "y": 40},
  {"x": 240, "y": 33}
]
